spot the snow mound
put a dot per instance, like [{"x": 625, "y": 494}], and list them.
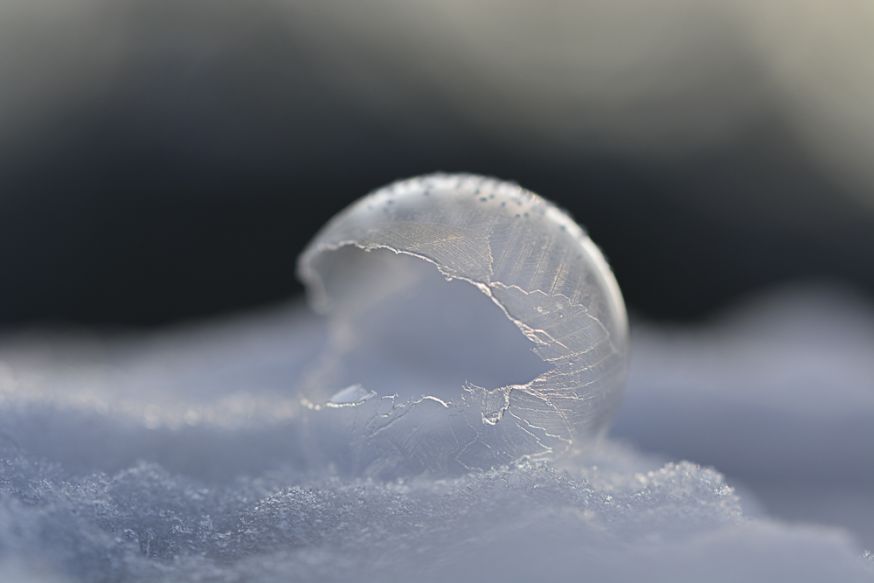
[
  {"x": 679, "y": 522},
  {"x": 184, "y": 457}
]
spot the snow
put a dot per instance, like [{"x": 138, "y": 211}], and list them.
[
  {"x": 778, "y": 394},
  {"x": 183, "y": 457}
]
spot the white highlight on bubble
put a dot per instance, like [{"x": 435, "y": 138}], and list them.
[{"x": 373, "y": 269}]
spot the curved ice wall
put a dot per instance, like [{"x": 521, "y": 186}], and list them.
[{"x": 374, "y": 269}]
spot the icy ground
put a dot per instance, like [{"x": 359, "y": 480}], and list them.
[{"x": 185, "y": 457}]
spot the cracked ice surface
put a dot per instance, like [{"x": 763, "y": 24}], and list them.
[{"x": 538, "y": 268}]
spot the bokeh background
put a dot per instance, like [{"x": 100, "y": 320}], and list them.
[{"x": 165, "y": 161}]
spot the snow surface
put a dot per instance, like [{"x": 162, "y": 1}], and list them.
[
  {"x": 185, "y": 456},
  {"x": 778, "y": 395}
]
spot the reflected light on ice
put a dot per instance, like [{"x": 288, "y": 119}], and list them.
[{"x": 548, "y": 310}]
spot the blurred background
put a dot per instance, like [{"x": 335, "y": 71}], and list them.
[{"x": 165, "y": 161}]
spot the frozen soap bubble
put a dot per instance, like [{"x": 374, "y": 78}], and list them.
[{"x": 472, "y": 324}]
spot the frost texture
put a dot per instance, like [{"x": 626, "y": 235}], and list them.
[
  {"x": 143, "y": 523},
  {"x": 536, "y": 266},
  {"x": 678, "y": 523}
]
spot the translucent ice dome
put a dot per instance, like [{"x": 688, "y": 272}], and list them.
[{"x": 543, "y": 352}]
